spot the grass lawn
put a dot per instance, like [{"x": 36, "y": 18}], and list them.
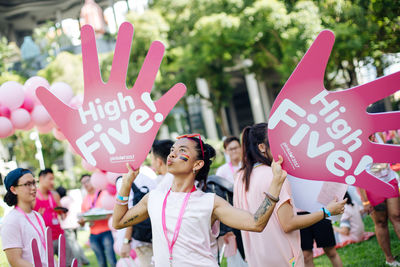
[{"x": 363, "y": 254}]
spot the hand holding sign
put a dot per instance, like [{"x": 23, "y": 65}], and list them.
[
  {"x": 114, "y": 125},
  {"x": 324, "y": 135}
]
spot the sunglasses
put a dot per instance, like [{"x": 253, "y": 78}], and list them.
[{"x": 191, "y": 136}]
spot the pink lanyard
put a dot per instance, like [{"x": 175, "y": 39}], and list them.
[
  {"x": 42, "y": 240},
  {"x": 178, "y": 223},
  {"x": 232, "y": 170},
  {"x": 95, "y": 199}
]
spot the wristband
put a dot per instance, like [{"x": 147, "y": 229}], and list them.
[
  {"x": 366, "y": 203},
  {"x": 123, "y": 203},
  {"x": 127, "y": 241},
  {"x": 119, "y": 197},
  {"x": 274, "y": 199},
  {"x": 326, "y": 212}
]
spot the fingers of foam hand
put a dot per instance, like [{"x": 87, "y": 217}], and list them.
[
  {"x": 35, "y": 253},
  {"x": 313, "y": 64},
  {"x": 171, "y": 97},
  {"x": 385, "y": 152},
  {"x": 150, "y": 67},
  {"x": 121, "y": 55},
  {"x": 382, "y": 121},
  {"x": 90, "y": 60}
]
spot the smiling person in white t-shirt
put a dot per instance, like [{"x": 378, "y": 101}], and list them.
[{"x": 22, "y": 223}]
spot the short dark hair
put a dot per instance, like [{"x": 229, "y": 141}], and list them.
[
  {"x": 162, "y": 148},
  {"x": 84, "y": 175},
  {"x": 45, "y": 171},
  {"x": 61, "y": 191},
  {"x": 230, "y": 139}
]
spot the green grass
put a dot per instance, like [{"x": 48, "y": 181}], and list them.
[
  {"x": 363, "y": 254},
  {"x": 367, "y": 253}
]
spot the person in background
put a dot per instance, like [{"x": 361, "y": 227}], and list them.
[
  {"x": 70, "y": 225},
  {"x": 144, "y": 250},
  {"x": 233, "y": 149},
  {"x": 279, "y": 243},
  {"x": 383, "y": 209},
  {"x": 101, "y": 239},
  {"x": 351, "y": 224},
  {"x": 232, "y": 238},
  {"x": 46, "y": 202},
  {"x": 22, "y": 223},
  {"x": 159, "y": 154}
]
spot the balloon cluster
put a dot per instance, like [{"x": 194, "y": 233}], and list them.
[
  {"x": 102, "y": 180},
  {"x": 21, "y": 110}
]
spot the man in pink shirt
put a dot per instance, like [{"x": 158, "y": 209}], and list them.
[{"x": 46, "y": 201}]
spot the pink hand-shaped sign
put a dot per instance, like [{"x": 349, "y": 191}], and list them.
[
  {"x": 324, "y": 135},
  {"x": 49, "y": 252},
  {"x": 114, "y": 125}
]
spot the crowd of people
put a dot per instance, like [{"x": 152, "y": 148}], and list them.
[{"x": 187, "y": 217}]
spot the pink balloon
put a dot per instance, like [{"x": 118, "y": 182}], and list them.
[
  {"x": 111, "y": 189},
  {"x": 45, "y": 128},
  {"x": 58, "y": 134},
  {"x": 12, "y": 94},
  {"x": 5, "y": 111},
  {"x": 63, "y": 91},
  {"x": 86, "y": 165},
  {"x": 133, "y": 254},
  {"x": 29, "y": 126},
  {"x": 107, "y": 201},
  {"x": 28, "y": 104},
  {"x": 40, "y": 116},
  {"x": 112, "y": 177},
  {"x": 32, "y": 84},
  {"x": 6, "y": 127},
  {"x": 99, "y": 180},
  {"x": 76, "y": 101},
  {"x": 20, "y": 118}
]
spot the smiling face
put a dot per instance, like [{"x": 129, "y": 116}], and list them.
[
  {"x": 183, "y": 158},
  {"x": 25, "y": 189}
]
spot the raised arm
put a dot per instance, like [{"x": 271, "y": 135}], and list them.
[
  {"x": 244, "y": 220},
  {"x": 124, "y": 217},
  {"x": 290, "y": 221}
]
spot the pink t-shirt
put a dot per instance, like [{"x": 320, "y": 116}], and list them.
[
  {"x": 17, "y": 232},
  {"x": 272, "y": 247},
  {"x": 351, "y": 218},
  {"x": 228, "y": 171},
  {"x": 50, "y": 216}
]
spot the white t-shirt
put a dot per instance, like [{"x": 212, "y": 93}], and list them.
[
  {"x": 164, "y": 182},
  {"x": 17, "y": 232},
  {"x": 228, "y": 172},
  {"x": 194, "y": 246},
  {"x": 140, "y": 181}
]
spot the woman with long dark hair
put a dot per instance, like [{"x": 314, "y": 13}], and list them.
[
  {"x": 22, "y": 223},
  {"x": 182, "y": 216},
  {"x": 279, "y": 242}
]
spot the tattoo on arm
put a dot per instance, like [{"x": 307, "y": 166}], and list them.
[
  {"x": 265, "y": 205},
  {"x": 131, "y": 219}
]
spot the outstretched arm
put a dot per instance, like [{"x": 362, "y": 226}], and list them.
[
  {"x": 124, "y": 217},
  {"x": 244, "y": 220}
]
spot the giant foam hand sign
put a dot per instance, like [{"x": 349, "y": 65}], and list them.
[
  {"x": 323, "y": 135},
  {"x": 114, "y": 125}
]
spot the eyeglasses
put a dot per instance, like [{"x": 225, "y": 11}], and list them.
[
  {"x": 191, "y": 136},
  {"x": 233, "y": 148},
  {"x": 28, "y": 184}
]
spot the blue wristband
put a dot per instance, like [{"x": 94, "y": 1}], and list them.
[
  {"x": 326, "y": 211},
  {"x": 122, "y": 198}
]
